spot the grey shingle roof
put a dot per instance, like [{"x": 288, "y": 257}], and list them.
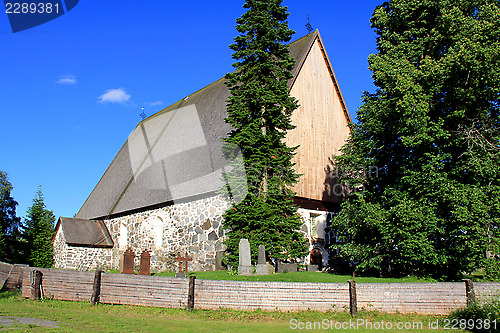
[
  {"x": 81, "y": 232},
  {"x": 173, "y": 155}
]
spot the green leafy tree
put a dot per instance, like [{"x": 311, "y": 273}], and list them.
[
  {"x": 39, "y": 229},
  {"x": 430, "y": 205},
  {"x": 9, "y": 223},
  {"x": 259, "y": 110}
]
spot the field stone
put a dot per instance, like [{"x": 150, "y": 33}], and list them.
[{"x": 212, "y": 236}]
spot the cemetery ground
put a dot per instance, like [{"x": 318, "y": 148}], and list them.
[
  {"x": 300, "y": 276},
  {"x": 19, "y": 314},
  {"x": 296, "y": 277}
]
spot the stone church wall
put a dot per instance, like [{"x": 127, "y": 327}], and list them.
[
  {"x": 193, "y": 227},
  {"x": 78, "y": 257}
]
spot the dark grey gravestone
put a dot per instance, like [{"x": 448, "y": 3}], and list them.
[
  {"x": 180, "y": 275},
  {"x": 218, "y": 260},
  {"x": 261, "y": 268},
  {"x": 284, "y": 267},
  {"x": 312, "y": 268},
  {"x": 262, "y": 255},
  {"x": 245, "y": 267}
]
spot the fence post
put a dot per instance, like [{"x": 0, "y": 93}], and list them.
[
  {"x": 96, "y": 288},
  {"x": 469, "y": 292},
  {"x": 190, "y": 304},
  {"x": 353, "y": 302},
  {"x": 36, "y": 284}
]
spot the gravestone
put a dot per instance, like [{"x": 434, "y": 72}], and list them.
[
  {"x": 284, "y": 267},
  {"x": 262, "y": 268},
  {"x": 218, "y": 260},
  {"x": 181, "y": 260},
  {"x": 312, "y": 268},
  {"x": 128, "y": 262},
  {"x": 144, "y": 268},
  {"x": 245, "y": 267}
]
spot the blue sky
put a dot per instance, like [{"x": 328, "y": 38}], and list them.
[{"x": 71, "y": 90}]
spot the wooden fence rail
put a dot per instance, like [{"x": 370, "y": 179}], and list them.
[{"x": 161, "y": 291}]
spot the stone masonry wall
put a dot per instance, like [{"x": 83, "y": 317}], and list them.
[
  {"x": 194, "y": 227},
  {"x": 77, "y": 257}
]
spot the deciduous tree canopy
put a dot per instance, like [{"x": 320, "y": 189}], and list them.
[{"x": 432, "y": 205}]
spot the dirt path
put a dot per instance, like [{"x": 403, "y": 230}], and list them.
[{"x": 12, "y": 321}]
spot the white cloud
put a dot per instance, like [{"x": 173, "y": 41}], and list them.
[
  {"x": 114, "y": 96},
  {"x": 157, "y": 103},
  {"x": 67, "y": 80}
]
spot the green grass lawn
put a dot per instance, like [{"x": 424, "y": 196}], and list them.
[
  {"x": 83, "y": 317},
  {"x": 294, "y": 277}
]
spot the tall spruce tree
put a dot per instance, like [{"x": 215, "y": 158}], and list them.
[
  {"x": 39, "y": 229},
  {"x": 9, "y": 223},
  {"x": 259, "y": 110},
  {"x": 432, "y": 205}
]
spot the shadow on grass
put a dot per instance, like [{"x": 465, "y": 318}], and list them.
[{"x": 4, "y": 294}]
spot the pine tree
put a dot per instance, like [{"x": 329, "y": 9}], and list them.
[
  {"x": 431, "y": 207},
  {"x": 39, "y": 229},
  {"x": 9, "y": 223},
  {"x": 259, "y": 111}
]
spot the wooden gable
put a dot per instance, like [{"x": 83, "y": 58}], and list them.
[{"x": 322, "y": 125}]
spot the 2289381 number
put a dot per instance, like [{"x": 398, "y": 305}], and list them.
[
  {"x": 32, "y": 8},
  {"x": 470, "y": 324}
]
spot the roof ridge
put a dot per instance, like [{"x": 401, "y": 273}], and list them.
[
  {"x": 110, "y": 195},
  {"x": 316, "y": 32}
]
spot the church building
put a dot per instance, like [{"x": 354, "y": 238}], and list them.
[{"x": 161, "y": 192}]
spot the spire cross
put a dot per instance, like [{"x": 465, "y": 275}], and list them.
[
  {"x": 308, "y": 25},
  {"x": 143, "y": 114}
]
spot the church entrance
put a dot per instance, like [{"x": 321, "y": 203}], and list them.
[
  {"x": 316, "y": 258},
  {"x": 314, "y": 229}
]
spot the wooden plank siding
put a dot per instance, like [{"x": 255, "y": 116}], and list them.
[
  {"x": 15, "y": 278},
  {"x": 282, "y": 296},
  {"x": 485, "y": 290},
  {"x": 61, "y": 284},
  {"x": 322, "y": 124},
  {"x": 160, "y": 291},
  {"x": 425, "y": 298},
  {"x": 5, "y": 270}
]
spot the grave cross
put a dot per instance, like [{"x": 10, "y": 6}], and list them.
[{"x": 184, "y": 259}]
